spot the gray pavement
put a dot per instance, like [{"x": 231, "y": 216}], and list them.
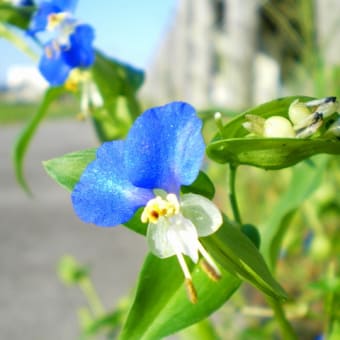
[{"x": 36, "y": 232}]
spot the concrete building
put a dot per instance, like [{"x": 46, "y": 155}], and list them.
[{"x": 235, "y": 53}]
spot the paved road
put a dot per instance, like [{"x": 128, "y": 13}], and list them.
[{"x": 35, "y": 233}]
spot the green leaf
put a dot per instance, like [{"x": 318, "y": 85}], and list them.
[
  {"x": 232, "y": 145},
  {"x": 17, "y": 16},
  {"x": 270, "y": 153},
  {"x": 161, "y": 306},
  {"x": 70, "y": 271},
  {"x": 203, "y": 330},
  {"x": 66, "y": 170},
  {"x": 23, "y": 140},
  {"x": 7, "y": 33},
  {"x": 118, "y": 84},
  {"x": 235, "y": 252},
  {"x": 121, "y": 77},
  {"x": 201, "y": 186},
  {"x": 304, "y": 181},
  {"x": 108, "y": 323},
  {"x": 252, "y": 233}
]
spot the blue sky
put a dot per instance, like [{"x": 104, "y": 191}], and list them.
[{"x": 127, "y": 30}]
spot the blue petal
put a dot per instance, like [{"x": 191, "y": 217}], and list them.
[
  {"x": 81, "y": 52},
  {"x": 53, "y": 66},
  {"x": 26, "y": 3},
  {"x": 40, "y": 17},
  {"x": 104, "y": 196},
  {"x": 66, "y": 5},
  {"x": 165, "y": 148}
]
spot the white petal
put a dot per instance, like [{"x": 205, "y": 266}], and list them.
[
  {"x": 175, "y": 235},
  {"x": 202, "y": 212}
]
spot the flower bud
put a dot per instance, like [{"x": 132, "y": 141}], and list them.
[
  {"x": 298, "y": 112},
  {"x": 278, "y": 127}
]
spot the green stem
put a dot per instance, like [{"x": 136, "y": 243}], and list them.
[
  {"x": 287, "y": 330},
  {"x": 330, "y": 300},
  {"x": 92, "y": 297},
  {"x": 232, "y": 193}
]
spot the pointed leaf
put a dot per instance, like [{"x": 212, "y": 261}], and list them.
[
  {"x": 7, "y": 33},
  {"x": 270, "y": 153},
  {"x": 66, "y": 170},
  {"x": 235, "y": 252},
  {"x": 122, "y": 77},
  {"x": 27, "y": 133},
  {"x": 161, "y": 306},
  {"x": 118, "y": 84},
  {"x": 201, "y": 186}
]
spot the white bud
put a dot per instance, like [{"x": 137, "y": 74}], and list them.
[
  {"x": 298, "y": 112},
  {"x": 278, "y": 127}
]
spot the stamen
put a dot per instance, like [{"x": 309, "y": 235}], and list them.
[
  {"x": 208, "y": 264},
  {"x": 48, "y": 52},
  {"x": 52, "y": 50},
  {"x": 55, "y": 19},
  {"x": 159, "y": 207},
  {"x": 191, "y": 291},
  {"x": 184, "y": 266},
  {"x": 209, "y": 270}
]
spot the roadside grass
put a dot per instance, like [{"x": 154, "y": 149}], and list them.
[{"x": 21, "y": 112}]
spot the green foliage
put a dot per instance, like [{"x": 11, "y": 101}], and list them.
[
  {"x": 201, "y": 186},
  {"x": 70, "y": 271},
  {"x": 21, "y": 112},
  {"x": 236, "y": 253},
  {"x": 231, "y": 145},
  {"x": 252, "y": 233},
  {"x": 161, "y": 294},
  {"x": 118, "y": 84},
  {"x": 7, "y": 33},
  {"x": 26, "y": 135},
  {"x": 161, "y": 306},
  {"x": 270, "y": 153},
  {"x": 66, "y": 170},
  {"x": 109, "y": 323},
  {"x": 16, "y": 16},
  {"x": 305, "y": 179}
]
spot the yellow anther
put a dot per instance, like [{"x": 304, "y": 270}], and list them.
[
  {"x": 159, "y": 207},
  {"x": 55, "y": 19},
  {"x": 191, "y": 291},
  {"x": 75, "y": 78},
  {"x": 48, "y": 52}
]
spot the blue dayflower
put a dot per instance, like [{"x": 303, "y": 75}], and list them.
[
  {"x": 68, "y": 44},
  {"x": 163, "y": 150}
]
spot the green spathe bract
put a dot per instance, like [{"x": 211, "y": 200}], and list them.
[{"x": 232, "y": 145}]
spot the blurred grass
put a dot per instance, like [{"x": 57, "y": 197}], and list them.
[{"x": 21, "y": 112}]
